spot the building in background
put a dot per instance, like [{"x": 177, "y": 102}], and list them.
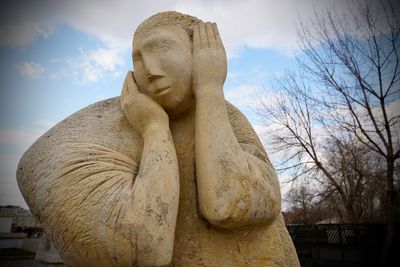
[
  {"x": 5, "y": 224},
  {"x": 17, "y": 219}
]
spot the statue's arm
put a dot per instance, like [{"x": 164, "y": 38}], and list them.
[
  {"x": 156, "y": 186},
  {"x": 235, "y": 188}
]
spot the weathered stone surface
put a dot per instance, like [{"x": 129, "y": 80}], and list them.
[
  {"x": 77, "y": 179},
  {"x": 170, "y": 173}
]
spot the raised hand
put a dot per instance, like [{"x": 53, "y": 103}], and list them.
[
  {"x": 252, "y": 190},
  {"x": 142, "y": 112},
  {"x": 209, "y": 58}
]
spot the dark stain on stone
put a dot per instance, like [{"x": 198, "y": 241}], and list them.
[{"x": 162, "y": 214}]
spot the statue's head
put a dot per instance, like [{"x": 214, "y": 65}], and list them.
[{"x": 162, "y": 57}]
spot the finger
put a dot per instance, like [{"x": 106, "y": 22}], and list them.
[
  {"x": 132, "y": 88},
  {"x": 218, "y": 39},
  {"x": 210, "y": 35},
  {"x": 203, "y": 35},
  {"x": 124, "y": 90},
  {"x": 196, "y": 38},
  {"x": 124, "y": 93}
]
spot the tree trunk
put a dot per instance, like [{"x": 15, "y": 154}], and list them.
[{"x": 388, "y": 251}]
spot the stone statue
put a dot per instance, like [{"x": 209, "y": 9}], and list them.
[{"x": 168, "y": 174}]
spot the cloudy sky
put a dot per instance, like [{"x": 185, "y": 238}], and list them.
[{"x": 59, "y": 56}]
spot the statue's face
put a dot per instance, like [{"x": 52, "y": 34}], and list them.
[{"x": 163, "y": 67}]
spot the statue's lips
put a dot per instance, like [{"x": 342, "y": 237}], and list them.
[{"x": 162, "y": 90}]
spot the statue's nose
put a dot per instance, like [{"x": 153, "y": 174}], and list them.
[{"x": 152, "y": 67}]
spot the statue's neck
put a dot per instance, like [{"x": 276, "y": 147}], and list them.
[
  {"x": 188, "y": 109},
  {"x": 184, "y": 121}
]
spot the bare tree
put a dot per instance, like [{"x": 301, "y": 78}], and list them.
[
  {"x": 303, "y": 206},
  {"x": 347, "y": 88},
  {"x": 359, "y": 172},
  {"x": 300, "y": 200}
]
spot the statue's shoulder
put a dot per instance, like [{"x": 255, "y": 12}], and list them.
[
  {"x": 94, "y": 138},
  {"x": 245, "y": 133},
  {"x": 77, "y": 180}
]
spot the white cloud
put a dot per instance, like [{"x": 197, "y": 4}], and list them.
[
  {"x": 245, "y": 89},
  {"x": 254, "y": 23},
  {"x": 242, "y": 96},
  {"x": 101, "y": 60},
  {"x": 107, "y": 59},
  {"x": 93, "y": 64},
  {"x": 31, "y": 70}
]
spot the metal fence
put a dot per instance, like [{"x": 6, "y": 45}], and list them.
[{"x": 326, "y": 245}]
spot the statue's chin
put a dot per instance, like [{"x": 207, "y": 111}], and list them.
[{"x": 178, "y": 110}]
